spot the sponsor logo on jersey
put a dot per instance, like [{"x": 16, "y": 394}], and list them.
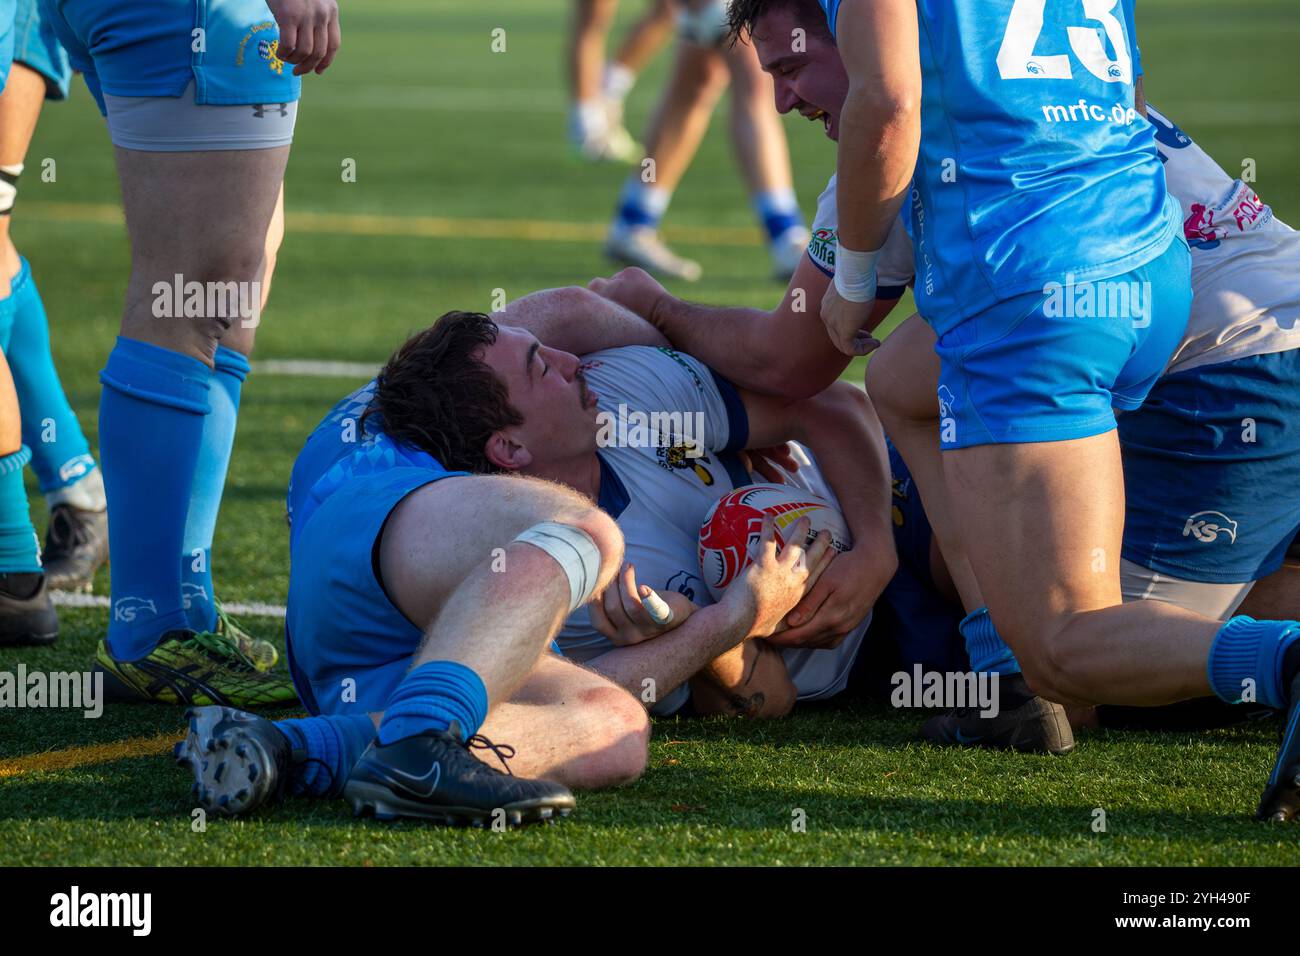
[
  {"x": 1206, "y": 526},
  {"x": 1207, "y": 226},
  {"x": 821, "y": 247}
]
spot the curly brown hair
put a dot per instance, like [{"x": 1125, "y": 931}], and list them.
[
  {"x": 743, "y": 14},
  {"x": 437, "y": 394}
]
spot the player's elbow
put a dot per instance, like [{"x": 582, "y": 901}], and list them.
[{"x": 885, "y": 105}]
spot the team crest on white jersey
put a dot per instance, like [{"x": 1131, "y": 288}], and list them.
[{"x": 1208, "y": 525}]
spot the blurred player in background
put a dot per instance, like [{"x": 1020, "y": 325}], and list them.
[
  {"x": 701, "y": 72},
  {"x": 76, "y": 541},
  {"x": 200, "y": 101},
  {"x": 598, "y": 89}
]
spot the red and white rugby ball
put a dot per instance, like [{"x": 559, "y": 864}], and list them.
[{"x": 734, "y": 524}]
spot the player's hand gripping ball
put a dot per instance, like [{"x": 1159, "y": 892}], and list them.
[{"x": 732, "y": 527}]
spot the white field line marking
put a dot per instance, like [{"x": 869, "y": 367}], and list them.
[
  {"x": 315, "y": 368},
  {"x": 423, "y": 227},
  {"x": 77, "y": 599}
]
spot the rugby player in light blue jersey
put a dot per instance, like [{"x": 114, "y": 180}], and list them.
[
  {"x": 1173, "y": 655},
  {"x": 76, "y": 542},
  {"x": 26, "y": 614},
  {"x": 399, "y": 566},
  {"x": 200, "y": 100}
]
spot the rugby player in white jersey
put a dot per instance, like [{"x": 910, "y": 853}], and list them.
[
  {"x": 1198, "y": 532},
  {"x": 371, "y": 518}
]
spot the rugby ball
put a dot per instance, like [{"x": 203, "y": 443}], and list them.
[{"x": 734, "y": 524}]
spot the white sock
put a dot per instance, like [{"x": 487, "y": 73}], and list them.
[
  {"x": 86, "y": 493},
  {"x": 587, "y": 119},
  {"x": 619, "y": 80}
]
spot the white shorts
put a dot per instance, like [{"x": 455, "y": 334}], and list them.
[
  {"x": 176, "y": 124},
  {"x": 1217, "y": 601}
]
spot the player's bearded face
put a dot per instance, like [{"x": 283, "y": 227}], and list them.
[{"x": 808, "y": 75}]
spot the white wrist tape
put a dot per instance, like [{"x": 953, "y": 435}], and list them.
[
  {"x": 657, "y": 608},
  {"x": 574, "y": 551},
  {"x": 855, "y": 274}
]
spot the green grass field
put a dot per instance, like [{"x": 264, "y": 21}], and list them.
[{"x": 449, "y": 140}]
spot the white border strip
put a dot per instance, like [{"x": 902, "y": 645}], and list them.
[{"x": 77, "y": 599}]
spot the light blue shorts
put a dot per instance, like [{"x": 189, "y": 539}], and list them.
[
  {"x": 1052, "y": 366},
  {"x": 227, "y": 48},
  {"x": 36, "y": 46}
]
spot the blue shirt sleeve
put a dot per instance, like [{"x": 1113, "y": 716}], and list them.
[
  {"x": 1130, "y": 17},
  {"x": 832, "y": 8}
]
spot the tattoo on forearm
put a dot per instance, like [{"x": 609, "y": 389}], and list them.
[{"x": 744, "y": 706}]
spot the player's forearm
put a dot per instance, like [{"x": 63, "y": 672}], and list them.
[
  {"x": 579, "y": 321},
  {"x": 774, "y": 353},
  {"x": 842, "y": 430},
  {"x": 673, "y": 658},
  {"x": 879, "y": 139},
  {"x": 729, "y": 340},
  {"x": 748, "y": 681}
]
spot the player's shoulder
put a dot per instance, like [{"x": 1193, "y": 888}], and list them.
[{"x": 650, "y": 363}]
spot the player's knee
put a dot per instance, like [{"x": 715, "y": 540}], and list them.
[
  {"x": 605, "y": 534},
  {"x": 623, "y": 748},
  {"x": 1048, "y": 668}
]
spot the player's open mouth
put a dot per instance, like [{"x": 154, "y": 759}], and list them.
[{"x": 818, "y": 115}]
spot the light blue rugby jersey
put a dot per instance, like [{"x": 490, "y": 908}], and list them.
[{"x": 1033, "y": 165}]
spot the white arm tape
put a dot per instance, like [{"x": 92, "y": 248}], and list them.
[
  {"x": 855, "y": 274},
  {"x": 574, "y": 551}
]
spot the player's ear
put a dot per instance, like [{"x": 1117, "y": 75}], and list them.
[{"x": 506, "y": 453}]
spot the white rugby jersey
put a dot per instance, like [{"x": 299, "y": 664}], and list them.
[
  {"x": 1245, "y": 261},
  {"x": 660, "y": 476}
]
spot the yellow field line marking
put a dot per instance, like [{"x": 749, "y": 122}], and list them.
[
  {"x": 420, "y": 227},
  {"x": 89, "y": 754}
]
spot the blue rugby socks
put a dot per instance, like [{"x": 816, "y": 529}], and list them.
[
  {"x": 641, "y": 204},
  {"x": 1254, "y": 661},
  {"x": 430, "y": 697},
  {"x": 20, "y": 551},
  {"x": 331, "y": 746},
  {"x": 987, "y": 650},
  {"x": 209, "y": 482},
  {"x": 778, "y": 211},
  {"x": 151, "y": 414},
  {"x": 60, "y": 453}
]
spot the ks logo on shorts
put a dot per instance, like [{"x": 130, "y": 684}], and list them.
[
  {"x": 946, "y": 400},
  {"x": 1208, "y": 525}
]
